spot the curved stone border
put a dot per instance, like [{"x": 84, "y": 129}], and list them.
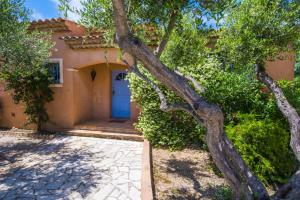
[{"x": 147, "y": 190}]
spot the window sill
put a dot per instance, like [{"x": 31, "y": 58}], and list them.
[{"x": 56, "y": 85}]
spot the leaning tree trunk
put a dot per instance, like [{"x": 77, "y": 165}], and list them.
[
  {"x": 285, "y": 107},
  {"x": 291, "y": 190},
  {"x": 243, "y": 182}
]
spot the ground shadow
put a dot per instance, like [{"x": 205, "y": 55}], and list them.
[
  {"x": 182, "y": 194},
  {"x": 46, "y": 170},
  {"x": 187, "y": 169}
]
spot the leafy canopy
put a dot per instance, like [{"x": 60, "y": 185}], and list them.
[
  {"x": 259, "y": 30},
  {"x": 23, "y": 54}
]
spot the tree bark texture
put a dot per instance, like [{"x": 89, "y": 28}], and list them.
[
  {"x": 288, "y": 111},
  {"x": 244, "y": 183}
]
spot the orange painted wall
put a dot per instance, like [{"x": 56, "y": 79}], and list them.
[
  {"x": 282, "y": 68},
  {"x": 11, "y": 115},
  {"x": 82, "y": 95},
  {"x": 93, "y": 98}
]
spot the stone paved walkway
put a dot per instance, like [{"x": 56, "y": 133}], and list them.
[{"x": 69, "y": 168}]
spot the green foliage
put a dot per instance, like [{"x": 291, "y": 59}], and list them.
[
  {"x": 291, "y": 90},
  {"x": 174, "y": 130},
  {"x": 258, "y": 30},
  {"x": 223, "y": 193},
  {"x": 264, "y": 145},
  {"x": 24, "y": 54},
  {"x": 32, "y": 88},
  {"x": 233, "y": 92},
  {"x": 187, "y": 45}
]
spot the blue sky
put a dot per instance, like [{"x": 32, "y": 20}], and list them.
[{"x": 46, "y": 9}]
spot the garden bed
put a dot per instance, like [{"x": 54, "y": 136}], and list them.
[{"x": 187, "y": 174}]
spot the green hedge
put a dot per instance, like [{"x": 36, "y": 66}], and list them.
[{"x": 264, "y": 145}]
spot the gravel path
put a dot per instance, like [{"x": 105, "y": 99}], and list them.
[{"x": 69, "y": 168}]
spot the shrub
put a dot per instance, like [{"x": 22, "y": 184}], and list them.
[
  {"x": 233, "y": 92},
  {"x": 264, "y": 145},
  {"x": 174, "y": 130},
  {"x": 291, "y": 90},
  {"x": 32, "y": 88},
  {"x": 223, "y": 193}
]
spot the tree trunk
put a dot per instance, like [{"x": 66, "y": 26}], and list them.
[
  {"x": 243, "y": 182},
  {"x": 288, "y": 111},
  {"x": 39, "y": 125},
  {"x": 289, "y": 191}
]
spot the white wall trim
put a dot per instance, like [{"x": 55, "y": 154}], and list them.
[{"x": 61, "y": 71}]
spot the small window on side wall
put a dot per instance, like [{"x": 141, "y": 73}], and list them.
[{"x": 55, "y": 68}]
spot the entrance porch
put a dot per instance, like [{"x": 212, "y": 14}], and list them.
[
  {"x": 112, "y": 129},
  {"x": 113, "y": 126},
  {"x": 102, "y": 99}
]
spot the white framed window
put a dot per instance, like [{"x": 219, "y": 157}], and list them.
[{"x": 55, "y": 67}]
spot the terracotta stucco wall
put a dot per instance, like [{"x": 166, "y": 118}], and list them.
[
  {"x": 11, "y": 115},
  {"x": 96, "y": 103},
  {"x": 282, "y": 68},
  {"x": 82, "y": 95}
]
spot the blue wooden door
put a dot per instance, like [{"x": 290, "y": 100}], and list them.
[{"x": 120, "y": 95}]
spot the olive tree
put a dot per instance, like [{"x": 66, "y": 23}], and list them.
[
  {"x": 23, "y": 54},
  {"x": 257, "y": 31}
]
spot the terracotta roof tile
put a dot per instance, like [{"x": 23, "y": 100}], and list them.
[
  {"x": 54, "y": 24},
  {"x": 84, "y": 42},
  {"x": 95, "y": 37}
]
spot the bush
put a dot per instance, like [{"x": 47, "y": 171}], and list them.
[
  {"x": 233, "y": 92},
  {"x": 223, "y": 193},
  {"x": 32, "y": 88},
  {"x": 264, "y": 145},
  {"x": 174, "y": 130},
  {"x": 291, "y": 90}
]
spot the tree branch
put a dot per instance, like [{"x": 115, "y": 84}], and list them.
[
  {"x": 285, "y": 107},
  {"x": 196, "y": 84},
  {"x": 138, "y": 49},
  {"x": 163, "y": 100},
  {"x": 166, "y": 37}
]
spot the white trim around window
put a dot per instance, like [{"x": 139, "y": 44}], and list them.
[{"x": 61, "y": 71}]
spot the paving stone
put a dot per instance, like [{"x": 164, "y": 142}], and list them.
[
  {"x": 124, "y": 187},
  {"x": 135, "y": 175},
  {"x": 134, "y": 193},
  {"x": 71, "y": 168}
]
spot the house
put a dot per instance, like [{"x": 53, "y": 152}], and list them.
[{"x": 89, "y": 79}]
